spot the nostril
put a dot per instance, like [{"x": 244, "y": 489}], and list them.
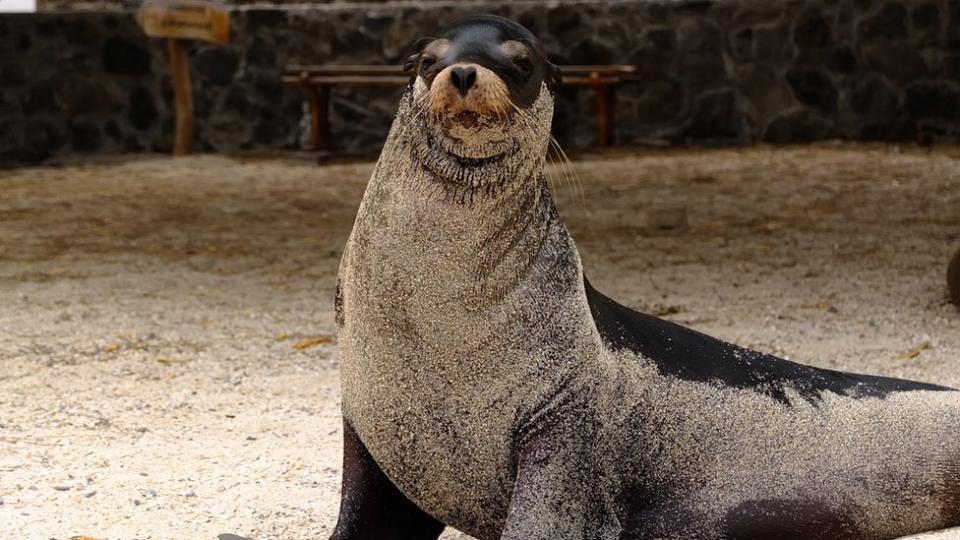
[
  {"x": 456, "y": 76},
  {"x": 471, "y": 76},
  {"x": 463, "y": 78}
]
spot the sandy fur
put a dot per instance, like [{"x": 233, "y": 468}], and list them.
[{"x": 428, "y": 303}]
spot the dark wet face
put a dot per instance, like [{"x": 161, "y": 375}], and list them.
[
  {"x": 483, "y": 64},
  {"x": 482, "y": 100}
]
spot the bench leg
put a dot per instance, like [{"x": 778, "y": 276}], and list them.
[
  {"x": 606, "y": 109},
  {"x": 323, "y": 139},
  {"x": 318, "y": 99}
]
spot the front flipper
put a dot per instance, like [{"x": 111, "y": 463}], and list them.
[
  {"x": 371, "y": 507},
  {"x": 559, "y": 489}
]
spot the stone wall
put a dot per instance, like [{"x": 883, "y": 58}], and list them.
[
  {"x": 710, "y": 72},
  {"x": 120, "y": 5}
]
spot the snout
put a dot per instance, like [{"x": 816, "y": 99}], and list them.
[{"x": 464, "y": 91}]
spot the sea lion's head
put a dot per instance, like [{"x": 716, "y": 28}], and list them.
[{"x": 483, "y": 94}]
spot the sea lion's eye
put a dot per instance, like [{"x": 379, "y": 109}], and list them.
[
  {"x": 523, "y": 65},
  {"x": 427, "y": 62}
]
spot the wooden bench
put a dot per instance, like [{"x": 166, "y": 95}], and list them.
[{"x": 317, "y": 81}]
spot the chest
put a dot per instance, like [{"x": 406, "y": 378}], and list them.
[{"x": 439, "y": 415}]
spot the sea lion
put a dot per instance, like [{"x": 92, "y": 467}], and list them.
[{"x": 489, "y": 387}]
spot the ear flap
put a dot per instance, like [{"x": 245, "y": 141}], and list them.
[
  {"x": 554, "y": 79},
  {"x": 552, "y": 75},
  {"x": 410, "y": 63}
]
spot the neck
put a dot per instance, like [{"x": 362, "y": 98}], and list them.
[{"x": 474, "y": 241}]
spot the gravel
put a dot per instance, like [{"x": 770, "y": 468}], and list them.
[{"x": 151, "y": 310}]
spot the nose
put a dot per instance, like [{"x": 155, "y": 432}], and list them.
[{"x": 463, "y": 78}]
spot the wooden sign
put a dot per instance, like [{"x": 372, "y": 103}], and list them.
[
  {"x": 186, "y": 19},
  {"x": 178, "y": 20}
]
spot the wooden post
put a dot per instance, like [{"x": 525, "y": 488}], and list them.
[
  {"x": 323, "y": 137},
  {"x": 318, "y": 99},
  {"x": 183, "y": 94},
  {"x": 313, "y": 101},
  {"x": 611, "y": 90},
  {"x": 605, "y": 112}
]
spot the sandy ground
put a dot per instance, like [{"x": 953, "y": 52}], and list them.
[{"x": 163, "y": 366}]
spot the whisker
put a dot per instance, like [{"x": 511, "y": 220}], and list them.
[
  {"x": 575, "y": 178},
  {"x": 550, "y": 174}
]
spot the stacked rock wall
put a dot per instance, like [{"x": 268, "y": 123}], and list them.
[
  {"x": 106, "y": 5},
  {"x": 710, "y": 72}
]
